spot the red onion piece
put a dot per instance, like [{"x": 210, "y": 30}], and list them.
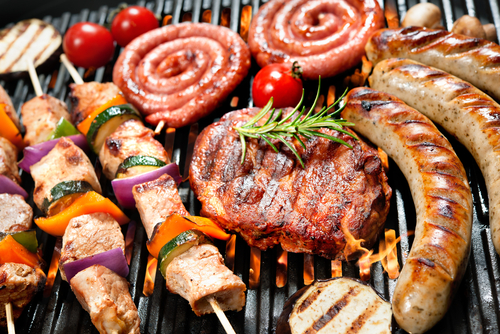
[
  {"x": 35, "y": 153},
  {"x": 123, "y": 187},
  {"x": 7, "y": 186},
  {"x": 113, "y": 260}
]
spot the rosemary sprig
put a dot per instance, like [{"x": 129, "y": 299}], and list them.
[{"x": 306, "y": 126}]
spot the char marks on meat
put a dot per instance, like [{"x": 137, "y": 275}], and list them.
[
  {"x": 15, "y": 214},
  {"x": 271, "y": 199}
]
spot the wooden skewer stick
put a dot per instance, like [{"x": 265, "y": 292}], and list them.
[
  {"x": 222, "y": 317},
  {"x": 10, "y": 319},
  {"x": 159, "y": 127},
  {"x": 71, "y": 69},
  {"x": 34, "y": 77}
]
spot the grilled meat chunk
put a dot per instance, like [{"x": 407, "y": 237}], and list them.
[
  {"x": 271, "y": 199},
  {"x": 105, "y": 295},
  {"x": 8, "y": 158},
  {"x": 9, "y": 107},
  {"x": 18, "y": 284},
  {"x": 65, "y": 162},
  {"x": 40, "y": 117},
  {"x": 89, "y": 96},
  {"x": 156, "y": 200},
  {"x": 15, "y": 214},
  {"x": 88, "y": 235},
  {"x": 130, "y": 139},
  {"x": 200, "y": 273}
]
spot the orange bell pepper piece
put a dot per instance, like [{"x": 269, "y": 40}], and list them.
[
  {"x": 84, "y": 125},
  {"x": 91, "y": 202},
  {"x": 13, "y": 251},
  {"x": 175, "y": 224},
  {"x": 8, "y": 129}
]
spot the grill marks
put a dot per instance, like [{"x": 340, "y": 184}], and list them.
[{"x": 334, "y": 310}]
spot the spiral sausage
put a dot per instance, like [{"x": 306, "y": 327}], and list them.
[
  {"x": 180, "y": 73},
  {"x": 443, "y": 203},
  {"x": 326, "y": 37}
]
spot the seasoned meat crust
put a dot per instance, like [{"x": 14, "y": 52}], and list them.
[
  {"x": 8, "y": 158},
  {"x": 271, "y": 199},
  {"x": 40, "y": 117},
  {"x": 130, "y": 139},
  {"x": 88, "y": 235},
  {"x": 87, "y": 97},
  {"x": 15, "y": 214},
  {"x": 18, "y": 284}
]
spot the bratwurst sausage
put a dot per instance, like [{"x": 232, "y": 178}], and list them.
[
  {"x": 472, "y": 59},
  {"x": 180, "y": 73},
  {"x": 460, "y": 108},
  {"x": 443, "y": 204},
  {"x": 326, "y": 37}
]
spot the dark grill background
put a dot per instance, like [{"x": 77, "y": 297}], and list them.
[{"x": 476, "y": 304}]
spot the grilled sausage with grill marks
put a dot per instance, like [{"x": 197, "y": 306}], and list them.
[
  {"x": 460, "y": 108},
  {"x": 472, "y": 59},
  {"x": 443, "y": 204}
]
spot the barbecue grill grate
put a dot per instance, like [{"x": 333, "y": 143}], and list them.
[{"x": 475, "y": 307}]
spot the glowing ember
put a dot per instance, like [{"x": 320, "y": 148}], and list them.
[
  {"x": 281, "y": 267},
  {"x": 187, "y": 17},
  {"x": 230, "y": 252},
  {"x": 246, "y": 17},
  {"x": 319, "y": 105},
  {"x": 206, "y": 16},
  {"x": 234, "y": 101},
  {"x": 254, "y": 279},
  {"x": 54, "y": 266},
  {"x": 129, "y": 241},
  {"x": 336, "y": 268},
  {"x": 308, "y": 269},
  {"x": 358, "y": 79},
  {"x": 330, "y": 99},
  {"x": 53, "y": 80},
  {"x": 384, "y": 159},
  {"x": 149, "y": 280},
  {"x": 169, "y": 142},
  {"x": 88, "y": 73},
  {"x": 225, "y": 18},
  {"x": 167, "y": 20},
  {"x": 391, "y": 15}
]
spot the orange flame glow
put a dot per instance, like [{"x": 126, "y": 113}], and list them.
[
  {"x": 187, "y": 17},
  {"x": 281, "y": 267},
  {"x": 149, "y": 280},
  {"x": 225, "y": 18},
  {"x": 230, "y": 252},
  {"x": 129, "y": 241},
  {"x": 358, "y": 79},
  {"x": 234, "y": 101},
  {"x": 330, "y": 99},
  {"x": 54, "y": 266},
  {"x": 246, "y": 17},
  {"x": 167, "y": 20},
  {"x": 53, "y": 80},
  {"x": 254, "y": 279},
  {"x": 206, "y": 16},
  {"x": 391, "y": 15},
  {"x": 336, "y": 268},
  {"x": 319, "y": 105},
  {"x": 308, "y": 269}
]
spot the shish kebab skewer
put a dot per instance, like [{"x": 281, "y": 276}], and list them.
[{"x": 121, "y": 146}]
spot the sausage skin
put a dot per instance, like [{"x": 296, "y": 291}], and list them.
[
  {"x": 442, "y": 198},
  {"x": 460, "y": 108},
  {"x": 472, "y": 59}
]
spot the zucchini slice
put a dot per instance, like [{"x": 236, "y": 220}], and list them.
[
  {"x": 107, "y": 122},
  {"x": 66, "y": 192},
  {"x": 137, "y": 162},
  {"x": 178, "y": 245}
]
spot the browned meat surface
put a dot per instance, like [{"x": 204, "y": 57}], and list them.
[
  {"x": 8, "y": 158},
  {"x": 40, "y": 116},
  {"x": 18, "y": 284},
  {"x": 15, "y": 214},
  {"x": 156, "y": 200},
  {"x": 105, "y": 295},
  {"x": 200, "y": 273},
  {"x": 89, "y": 235},
  {"x": 130, "y": 139},
  {"x": 9, "y": 107},
  {"x": 271, "y": 199},
  {"x": 65, "y": 162},
  {"x": 89, "y": 96}
]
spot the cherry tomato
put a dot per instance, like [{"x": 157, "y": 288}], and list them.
[
  {"x": 88, "y": 45},
  {"x": 131, "y": 22},
  {"x": 281, "y": 81}
]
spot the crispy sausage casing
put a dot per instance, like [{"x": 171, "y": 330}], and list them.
[
  {"x": 443, "y": 204},
  {"x": 326, "y": 37},
  {"x": 472, "y": 59},
  {"x": 460, "y": 108}
]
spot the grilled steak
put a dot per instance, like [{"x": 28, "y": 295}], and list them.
[
  {"x": 271, "y": 199},
  {"x": 104, "y": 294},
  {"x": 15, "y": 214},
  {"x": 40, "y": 117},
  {"x": 89, "y": 235},
  {"x": 8, "y": 158},
  {"x": 89, "y": 96},
  {"x": 18, "y": 284}
]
